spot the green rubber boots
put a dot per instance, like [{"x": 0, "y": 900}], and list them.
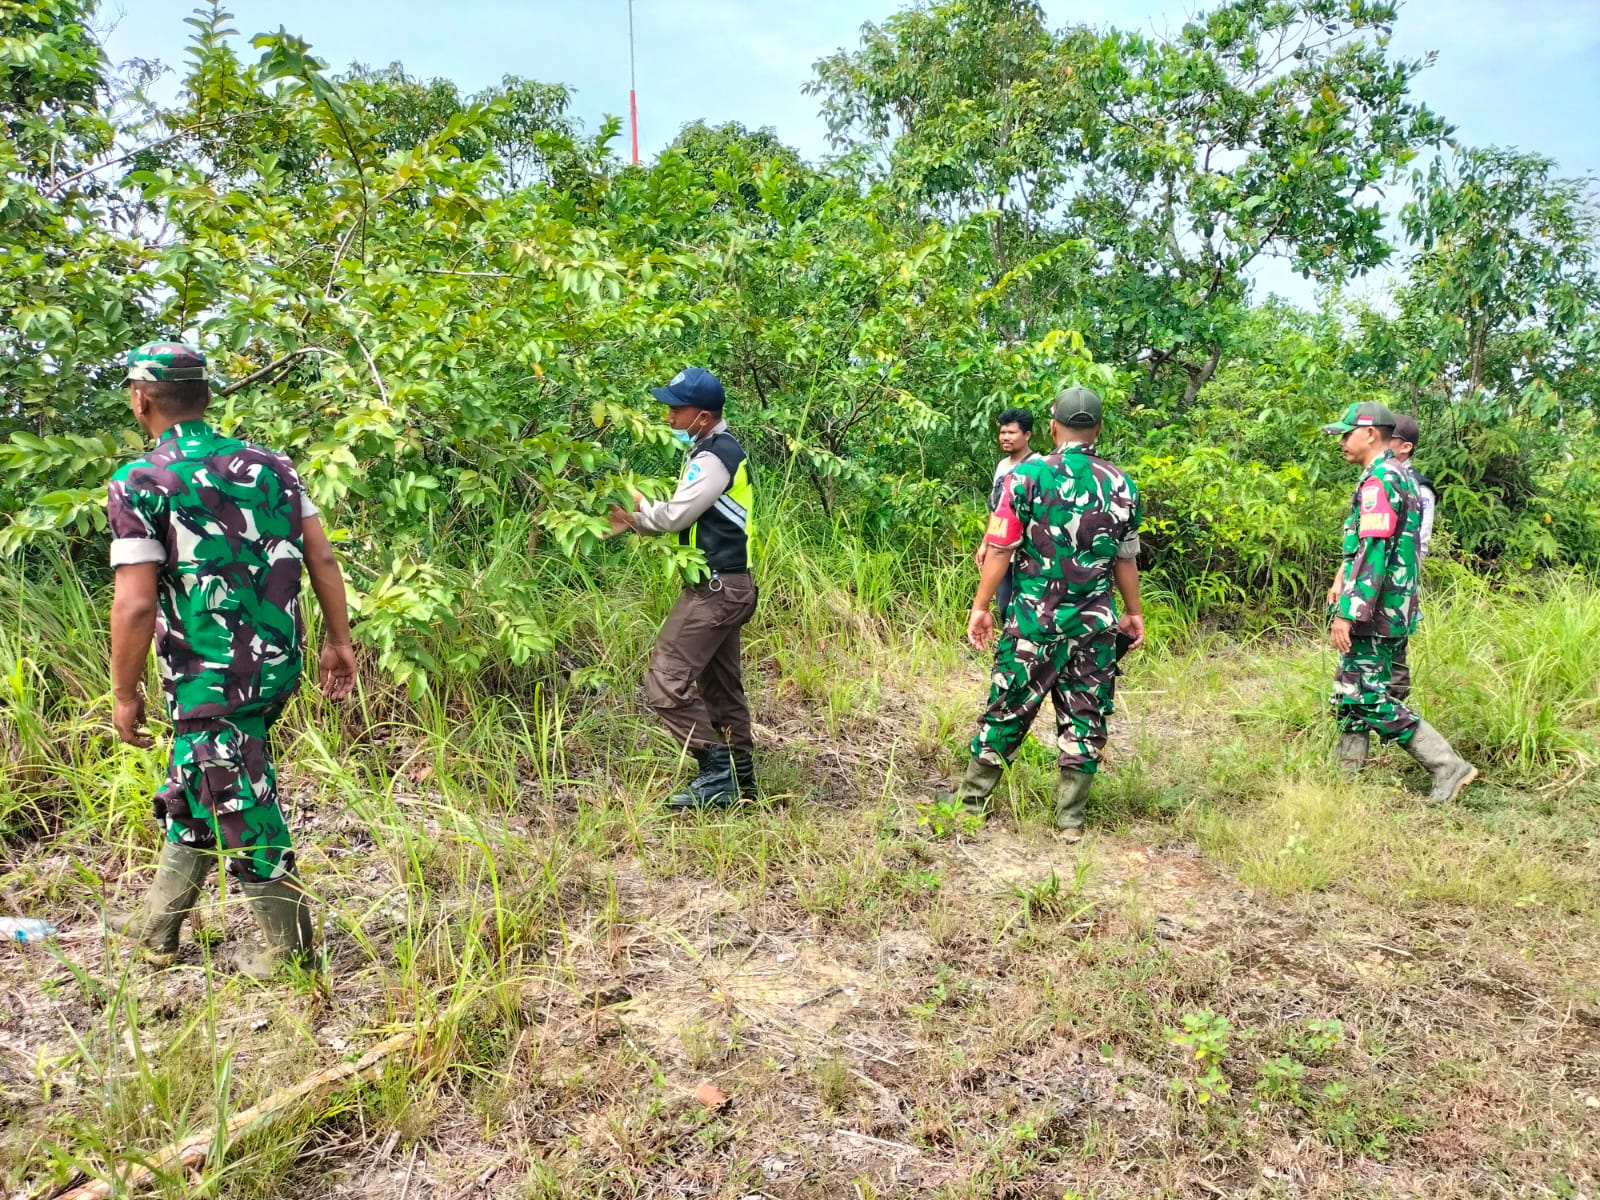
[
  {"x": 155, "y": 925},
  {"x": 1450, "y": 771},
  {"x": 976, "y": 786},
  {"x": 279, "y": 907},
  {"x": 1072, "y": 802},
  {"x": 284, "y": 918}
]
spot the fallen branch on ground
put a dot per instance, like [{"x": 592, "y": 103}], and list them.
[{"x": 191, "y": 1153}]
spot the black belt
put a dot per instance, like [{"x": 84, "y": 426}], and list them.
[{"x": 714, "y": 584}]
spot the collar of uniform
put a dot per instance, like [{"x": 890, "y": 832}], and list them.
[
  {"x": 1383, "y": 456},
  {"x": 185, "y": 429},
  {"x": 1077, "y": 448},
  {"x": 720, "y": 427}
]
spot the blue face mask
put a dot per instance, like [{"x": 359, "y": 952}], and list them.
[{"x": 682, "y": 437}]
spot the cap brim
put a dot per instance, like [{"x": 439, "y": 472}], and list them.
[
  {"x": 170, "y": 375},
  {"x": 666, "y": 397},
  {"x": 1338, "y": 427}
]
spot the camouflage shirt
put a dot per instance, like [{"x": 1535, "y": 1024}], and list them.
[
  {"x": 224, "y": 519},
  {"x": 1382, "y": 544},
  {"x": 1068, "y": 515}
]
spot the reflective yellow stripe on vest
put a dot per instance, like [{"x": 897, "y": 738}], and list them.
[{"x": 737, "y": 504}]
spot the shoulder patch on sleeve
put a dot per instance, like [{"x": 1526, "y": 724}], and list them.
[
  {"x": 1378, "y": 518},
  {"x": 694, "y": 472}
]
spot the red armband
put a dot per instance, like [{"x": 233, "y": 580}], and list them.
[
  {"x": 1378, "y": 518},
  {"x": 1005, "y": 527}
]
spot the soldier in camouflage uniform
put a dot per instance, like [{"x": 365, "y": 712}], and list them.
[
  {"x": 209, "y": 537},
  {"x": 1375, "y": 605},
  {"x": 1069, "y": 522}
]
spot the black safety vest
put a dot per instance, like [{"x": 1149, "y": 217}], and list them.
[{"x": 723, "y": 532}]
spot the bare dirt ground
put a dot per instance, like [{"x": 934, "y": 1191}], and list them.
[{"x": 880, "y": 1011}]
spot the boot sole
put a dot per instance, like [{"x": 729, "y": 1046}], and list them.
[
  {"x": 1472, "y": 773},
  {"x": 155, "y": 958}
]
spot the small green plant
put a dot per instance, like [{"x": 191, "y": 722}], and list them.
[
  {"x": 1356, "y": 1123},
  {"x": 924, "y": 1010},
  {"x": 1280, "y": 1082},
  {"x": 919, "y": 881},
  {"x": 835, "y": 1083},
  {"x": 1337, "y": 1117},
  {"x": 1205, "y": 1034},
  {"x": 948, "y": 990},
  {"x": 1322, "y": 1037},
  {"x": 702, "y": 1045},
  {"x": 1048, "y": 899},
  {"x": 946, "y": 817}
]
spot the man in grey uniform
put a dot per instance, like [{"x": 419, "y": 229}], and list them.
[
  {"x": 1014, "y": 429},
  {"x": 695, "y": 683},
  {"x": 1404, "y": 445}
]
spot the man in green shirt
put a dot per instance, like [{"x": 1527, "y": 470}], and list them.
[
  {"x": 209, "y": 537},
  {"x": 1375, "y": 605},
  {"x": 1067, "y": 528}
]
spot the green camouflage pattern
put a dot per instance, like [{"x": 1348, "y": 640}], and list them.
[
  {"x": 1076, "y": 511},
  {"x": 224, "y": 518},
  {"x": 1400, "y": 671},
  {"x": 1381, "y": 574},
  {"x": 1362, "y": 414},
  {"x": 157, "y": 362},
  {"x": 1363, "y": 699},
  {"x": 221, "y": 793},
  {"x": 1079, "y": 676}
]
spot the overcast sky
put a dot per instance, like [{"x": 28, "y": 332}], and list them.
[{"x": 1522, "y": 73}]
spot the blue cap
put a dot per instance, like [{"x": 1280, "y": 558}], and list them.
[{"x": 694, "y": 386}]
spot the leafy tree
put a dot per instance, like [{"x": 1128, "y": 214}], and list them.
[
  {"x": 1505, "y": 280},
  {"x": 447, "y": 307},
  {"x": 524, "y": 125},
  {"x": 72, "y": 292},
  {"x": 1261, "y": 128},
  {"x": 973, "y": 104},
  {"x": 1491, "y": 346}
]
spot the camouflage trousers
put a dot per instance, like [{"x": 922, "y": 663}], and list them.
[
  {"x": 221, "y": 793},
  {"x": 1400, "y": 673},
  {"x": 1079, "y": 676},
  {"x": 1363, "y": 699}
]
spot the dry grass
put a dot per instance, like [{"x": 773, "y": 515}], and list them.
[{"x": 890, "y": 1013}]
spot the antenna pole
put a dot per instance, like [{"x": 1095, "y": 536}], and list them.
[{"x": 633, "y": 95}]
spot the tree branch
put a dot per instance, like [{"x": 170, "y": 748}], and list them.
[
  {"x": 257, "y": 376},
  {"x": 51, "y": 191}
]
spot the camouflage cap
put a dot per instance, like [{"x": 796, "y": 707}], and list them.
[
  {"x": 1077, "y": 408},
  {"x": 1367, "y": 414},
  {"x": 159, "y": 362}
]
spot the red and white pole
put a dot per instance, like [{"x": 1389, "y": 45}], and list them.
[{"x": 633, "y": 96}]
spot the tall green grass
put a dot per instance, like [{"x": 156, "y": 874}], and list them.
[
  {"x": 1509, "y": 668},
  {"x": 466, "y": 841},
  {"x": 1515, "y": 665}
]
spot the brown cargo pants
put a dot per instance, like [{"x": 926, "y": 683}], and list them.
[{"x": 695, "y": 683}]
